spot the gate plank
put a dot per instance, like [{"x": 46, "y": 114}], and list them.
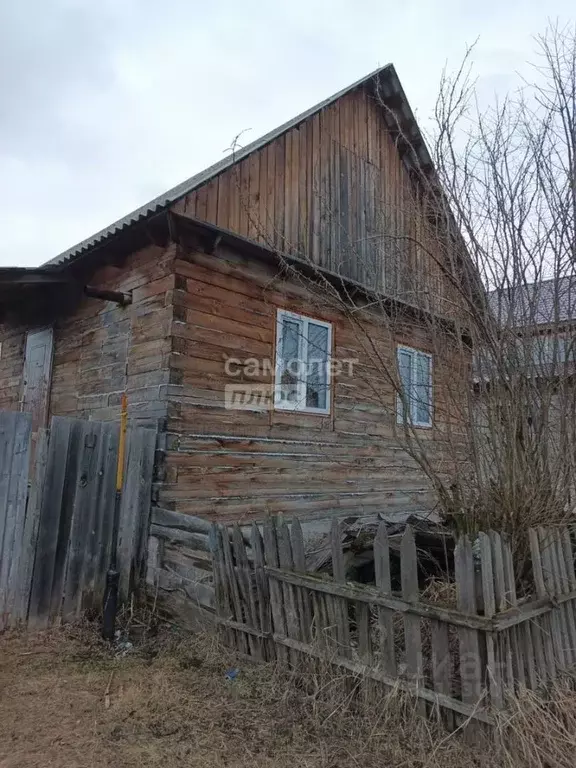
[
  {"x": 15, "y": 434},
  {"x": 30, "y": 535},
  {"x": 49, "y": 527},
  {"x": 135, "y": 505},
  {"x": 101, "y": 542},
  {"x": 84, "y": 495},
  {"x": 71, "y": 481}
]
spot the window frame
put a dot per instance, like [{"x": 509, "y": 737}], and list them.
[
  {"x": 282, "y": 405},
  {"x": 414, "y": 353}
]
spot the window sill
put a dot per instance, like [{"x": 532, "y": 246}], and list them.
[{"x": 306, "y": 411}]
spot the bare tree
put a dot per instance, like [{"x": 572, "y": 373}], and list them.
[
  {"x": 480, "y": 255},
  {"x": 508, "y": 174}
]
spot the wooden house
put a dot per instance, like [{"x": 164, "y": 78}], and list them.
[{"x": 172, "y": 303}]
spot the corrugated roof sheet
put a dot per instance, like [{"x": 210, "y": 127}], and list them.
[
  {"x": 541, "y": 303},
  {"x": 172, "y": 195}
]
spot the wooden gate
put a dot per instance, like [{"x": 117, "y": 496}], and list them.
[{"x": 56, "y": 529}]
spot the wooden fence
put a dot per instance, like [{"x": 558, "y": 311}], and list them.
[
  {"x": 56, "y": 530},
  {"x": 463, "y": 659}
]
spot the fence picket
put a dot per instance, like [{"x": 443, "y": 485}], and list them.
[
  {"x": 563, "y": 585},
  {"x": 339, "y": 606},
  {"x": 233, "y": 588},
  {"x": 320, "y": 620},
  {"x": 302, "y": 597},
  {"x": 492, "y": 669},
  {"x": 503, "y": 646},
  {"x": 275, "y": 589},
  {"x": 569, "y": 558},
  {"x": 558, "y": 630},
  {"x": 470, "y": 669},
  {"x": 542, "y": 634},
  {"x": 287, "y": 563},
  {"x": 244, "y": 576},
  {"x": 261, "y": 585},
  {"x": 514, "y": 633},
  {"x": 363, "y": 628},
  {"x": 221, "y": 589},
  {"x": 565, "y": 546},
  {"x": 385, "y": 616},
  {"x": 412, "y": 624},
  {"x": 567, "y": 645}
]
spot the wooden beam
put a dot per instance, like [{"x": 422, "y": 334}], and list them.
[
  {"x": 124, "y": 299},
  {"x": 468, "y": 710},
  {"x": 365, "y": 594}
]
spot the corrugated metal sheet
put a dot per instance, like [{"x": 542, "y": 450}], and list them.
[
  {"x": 389, "y": 83},
  {"x": 548, "y": 301}
]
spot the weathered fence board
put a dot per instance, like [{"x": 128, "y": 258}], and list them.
[
  {"x": 15, "y": 433},
  {"x": 31, "y": 525},
  {"x": 135, "y": 507},
  {"x": 385, "y": 616}
]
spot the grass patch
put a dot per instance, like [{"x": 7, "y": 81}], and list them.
[{"x": 67, "y": 699}]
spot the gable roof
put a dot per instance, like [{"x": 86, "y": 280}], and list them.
[{"x": 389, "y": 87}]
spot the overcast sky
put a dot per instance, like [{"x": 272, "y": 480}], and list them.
[{"x": 105, "y": 104}]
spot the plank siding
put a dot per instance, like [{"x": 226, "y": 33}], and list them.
[{"x": 334, "y": 190}]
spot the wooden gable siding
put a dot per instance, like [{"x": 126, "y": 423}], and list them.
[
  {"x": 102, "y": 349},
  {"x": 241, "y": 464},
  {"x": 334, "y": 190}
]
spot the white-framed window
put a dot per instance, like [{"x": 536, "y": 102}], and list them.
[
  {"x": 303, "y": 351},
  {"x": 415, "y": 370}
]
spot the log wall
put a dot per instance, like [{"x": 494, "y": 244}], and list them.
[
  {"x": 102, "y": 349},
  {"x": 242, "y": 464}
]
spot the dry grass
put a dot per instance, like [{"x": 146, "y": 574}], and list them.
[
  {"x": 170, "y": 704},
  {"x": 440, "y": 591}
]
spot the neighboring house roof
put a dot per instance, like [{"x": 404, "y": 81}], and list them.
[
  {"x": 542, "y": 303},
  {"x": 389, "y": 87}
]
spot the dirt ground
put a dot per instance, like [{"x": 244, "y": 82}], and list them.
[{"x": 67, "y": 699}]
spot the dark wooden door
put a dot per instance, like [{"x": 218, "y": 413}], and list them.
[{"x": 37, "y": 376}]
